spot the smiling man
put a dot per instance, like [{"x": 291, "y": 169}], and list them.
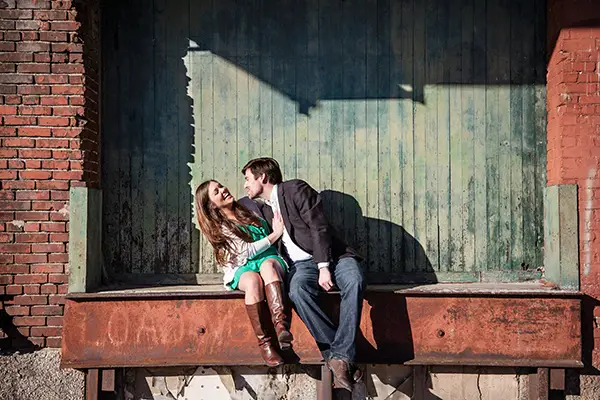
[{"x": 317, "y": 259}]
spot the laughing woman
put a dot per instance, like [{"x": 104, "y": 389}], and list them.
[{"x": 243, "y": 247}]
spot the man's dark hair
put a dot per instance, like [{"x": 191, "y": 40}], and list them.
[{"x": 267, "y": 166}]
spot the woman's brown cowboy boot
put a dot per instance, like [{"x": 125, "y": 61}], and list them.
[
  {"x": 259, "y": 319},
  {"x": 276, "y": 303}
]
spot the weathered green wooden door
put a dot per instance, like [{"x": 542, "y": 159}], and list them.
[{"x": 423, "y": 123}]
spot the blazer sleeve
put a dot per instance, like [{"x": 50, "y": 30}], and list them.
[{"x": 309, "y": 205}]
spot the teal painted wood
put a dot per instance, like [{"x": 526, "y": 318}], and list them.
[{"x": 423, "y": 123}]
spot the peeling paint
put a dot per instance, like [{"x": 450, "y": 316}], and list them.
[
  {"x": 65, "y": 210},
  {"x": 589, "y": 192},
  {"x": 18, "y": 223}
]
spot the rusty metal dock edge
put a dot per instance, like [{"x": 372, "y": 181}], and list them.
[{"x": 211, "y": 328}]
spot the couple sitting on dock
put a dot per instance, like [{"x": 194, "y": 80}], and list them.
[{"x": 285, "y": 237}]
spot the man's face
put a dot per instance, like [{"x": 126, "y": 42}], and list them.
[{"x": 253, "y": 186}]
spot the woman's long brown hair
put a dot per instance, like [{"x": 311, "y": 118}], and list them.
[{"x": 214, "y": 224}]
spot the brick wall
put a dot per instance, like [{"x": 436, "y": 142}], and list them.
[
  {"x": 573, "y": 83},
  {"x": 49, "y": 143}
]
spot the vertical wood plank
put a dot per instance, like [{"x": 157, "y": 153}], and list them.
[
  {"x": 111, "y": 195},
  {"x": 468, "y": 137},
  {"x": 434, "y": 73},
  {"x": 516, "y": 137},
  {"x": 383, "y": 118},
  {"x": 479, "y": 135},
  {"x": 456, "y": 117},
  {"x": 167, "y": 59}
]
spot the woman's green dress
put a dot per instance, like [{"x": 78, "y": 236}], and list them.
[{"x": 253, "y": 264}]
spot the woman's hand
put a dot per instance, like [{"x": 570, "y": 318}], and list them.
[{"x": 278, "y": 227}]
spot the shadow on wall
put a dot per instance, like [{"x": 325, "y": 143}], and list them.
[
  {"x": 13, "y": 340},
  {"x": 389, "y": 248}
]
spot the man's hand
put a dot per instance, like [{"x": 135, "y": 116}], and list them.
[{"x": 325, "y": 279}]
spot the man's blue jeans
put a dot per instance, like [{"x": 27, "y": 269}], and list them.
[{"x": 334, "y": 340}]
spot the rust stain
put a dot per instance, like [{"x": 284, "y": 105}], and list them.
[{"x": 394, "y": 329}]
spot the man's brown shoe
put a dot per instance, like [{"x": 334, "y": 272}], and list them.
[{"x": 341, "y": 373}]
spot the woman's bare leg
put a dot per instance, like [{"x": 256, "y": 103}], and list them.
[
  {"x": 271, "y": 271},
  {"x": 252, "y": 286}
]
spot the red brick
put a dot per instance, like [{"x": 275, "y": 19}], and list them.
[
  {"x": 22, "y": 25},
  {"x": 30, "y": 100},
  {"x": 43, "y": 58},
  {"x": 33, "y": 46},
  {"x": 16, "y": 14},
  {"x": 64, "y": 26},
  {"x": 53, "y": 226},
  {"x": 46, "y": 310},
  {"x": 47, "y": 248},
  {"x": 52, "y": 79},
  {"x": 68, "y": 48},
  {"x": 8, "y": 89},
  {"x": 15, "y": 248},
  {"x": 8, "y": 174},
  {"x": 55, "y": 100},
  {"x": 16, "y": 57},
  {"x": 53, "y": 36},
  {"x": 30, "y": 36},
  {"x": 14, "y": 36},
  {"x": 35, "y": 174},
  {"x": 47, "y": 205},
  {"x": 54, "y": 321},
  {"x": 31, "y": 227},
  {"x": 14, "y": 289},
  {"x": 34, "y": 4},
  {"x": 57, "y": 278},
  {"x": 34, "y": 68},
  {"x": 34, "y": 131},
  {"x": 18, "y": 142},
  {"x": 35, "y": 110},
  {"x": 76, "y": 175},
  {"x": 56, "y": 299},
  {"x": 50, "y": 15},
  {"x": 58, "y": 216},
  {"x": 48, "y": 289},
  {"x": 33, "y": 164},
  {"x": 31, "y": 289},
  {"x": 31, "y": 258},
  {"x": 16, "y": 78},
  {"x": 7, "y": 67},
  {"x": 13, "y": 120},
  {"x": 53, "y": 185},
  {"x": 7, "y": 46},
  {"x": 7, "y": 194},
  {"x": 12, "y": 99},
  {"x": 34, "y": 89},
  {"x": 33, "y": 216},
  {"x": 14, "y": 269},
  {"x": 35, "y": 153},
  {"x": 63, "y": 289},
  {"x": 7, "y": 24},
  {"x": 31, "y": 238},
  {"x": 8, "y": 153},
  {"x": 53, "y": 121},
  {"x": 60, "y": 58},
  {"x": 6, "y": 279},
  {"x": 8, "y": 110},
  {"x": 59, "y": 237},
  {"x": 53, "y": 342},
  {"x": 33, "y": 195},
  {"x": 31, "y": 300},
  {"x": 52, "y": 143},
  {"x": 54, "y": 164},
  {"x": 58, "y": 258},
  {"x": 29, "y": 321},
  {"x": 23, "y": 330},
  {"x": 67, "y": 89},
  {"x": 48, "y": 268},
  {"x": 17, "y": 310},
  {"x": 46, "y": 331},
  {"x": 15, "y": 205}
]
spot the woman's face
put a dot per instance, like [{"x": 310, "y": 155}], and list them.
[{"x": 219, "y": 195}]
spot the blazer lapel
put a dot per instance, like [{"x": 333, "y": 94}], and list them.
[{"x": 284, "y": 210}]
